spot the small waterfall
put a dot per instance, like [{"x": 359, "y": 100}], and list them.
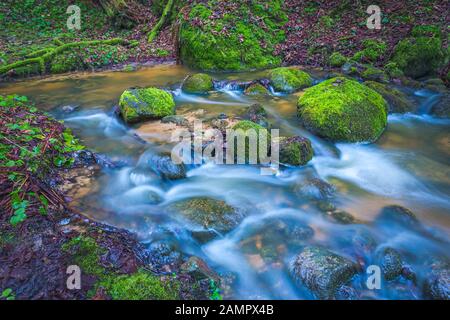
[{"x": 431, "y": 98}]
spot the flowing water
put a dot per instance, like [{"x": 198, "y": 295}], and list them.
[{"x": 408, "y": 166}]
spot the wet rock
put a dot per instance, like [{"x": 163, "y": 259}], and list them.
[
  {"x": 343, "y": 217},
  {"x": 442, "y": 108},
  {"x": 164, "y": 166},
  {"x": 220, "y": 124},
  {"x": 375, "y": 74},
  {"x": 163, "y": 257},
  {"x": 197, "y": 268},
  {"x": 295, "y": 151},
  {"x": 437, "y": 283},
  {"x": 322, "y": 271},
  {"x": 397, "y": 101},
  {"x": 340, "y": 109},
  {"x": 391, "y": 263},
  {"x": 398, "y": 215},
  {"x": 141, "y": 104},
  {"x": 199, "y": 83},
  {"x": 256, "y": 89},
  {"x": 69, "y": 108},
  {"x": 346, "y": 293},
  {"x": 178, "y": 120},
  {"x": 209, "y": 213},
  {"x": 257, "y": 114},
  {"x": 289, "y": 79},
  {"x": 315, "y": 188},
  {"x": 436, "y": 85}
]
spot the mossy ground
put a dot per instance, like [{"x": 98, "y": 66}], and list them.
[
  {"x": 343, "y": 110},
  {"x": 241, "y": 36}
]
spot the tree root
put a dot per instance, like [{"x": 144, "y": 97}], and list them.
[
  {"x": 41, "y": 57},
  {"x": 155, "y": 30}
]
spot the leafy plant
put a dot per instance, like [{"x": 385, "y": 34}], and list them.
[{"x": 8, "y": 294}]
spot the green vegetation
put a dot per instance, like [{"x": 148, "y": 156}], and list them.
[
  {"x": 374, "y": 74},
  {"x": 337, "y": 59},
  {"x": 420, "y": 55},
  {"x": 341, "y": 109},
  {"x": 247, "y": 128},
  {"x": 199, "y": 83},
  {"x": 7, "y": 294},
  {"x": 396, "y": 100},
  {"x": 373, "y": 50},
  {"x": 31, "y": 144},
  {"x": 295, "y": 151},
  {"x": 256, "y": 89},
  {"x": 87, "y": 254},
  {"x": 289, "y": 79},
  {"x": 240, "y": 39},
  {"x": 145, "y": 103}
]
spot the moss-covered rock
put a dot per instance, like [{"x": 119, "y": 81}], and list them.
[
  {"x": 140, "y": 104},
  {"x": 233, "y": 40},
  {"x": 289, "y": 79},
  {"x": 398, "y": 215},
  {"x": 256, "y": 89},
  {"x": 391, "y": 263},
  {"x": 199, "y": 83},
  {"x": 209, "y": 213},
  {"x": 373, "y": 50},
  {"x": 343, "y": 110},
  {"x": 421, "y": 54},
  {"x": 295, "y": 151},
  {"x": 397, "y": 101},
  {"x": 248, "y": 129},
  {"x": 393, "y": 70},
  {"x": 437, "y": 283},
  {"x": 375, "y": 74},
  {"x": 442, "y": 108},
  {"x": 337, "y": 60},
  {"x": 322, "y": 271}
]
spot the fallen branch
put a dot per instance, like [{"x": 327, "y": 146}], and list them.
[
  {"x": 155, "y": 30},
  {"x": 42, "y": 56}
]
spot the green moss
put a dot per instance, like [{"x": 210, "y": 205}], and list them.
[
  {"x": 420, "y": 55},
  {"x": 247, "y": 126},
  {"x": 374, "y": 74},
  {"x": 256, "y": 89},
  {"x": 341, "y": 109},
  {"x": 373, "y": 50},
  {"x": 232, "y": 40},
  {"x": 295, "y": 151},
  {"x": 337, "y": 59},
  {"x": 393, "y": 70},
  {"x": 199, "y": 83},
  {"x": 86, "y": 254},
  {"x": 140, "y": 286},
  {"x": 397, "y": 101},
  {"x": 63, "y": 63},
  {"x": 289, "y": 79},
  {"x": 142, "y": 104}
]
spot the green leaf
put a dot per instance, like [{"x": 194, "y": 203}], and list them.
[{"x": 6, "y": 292}]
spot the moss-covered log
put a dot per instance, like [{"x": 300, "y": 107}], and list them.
[{"x": 43, "y": 56}]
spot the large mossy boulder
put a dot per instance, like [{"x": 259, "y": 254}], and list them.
[
  {"x": 289, "y": 79},
  {"x": 322, "y": 271},
  {"x": 229, "y": 36},
  {"x": 209, "y": 213},
  {"x": 140, "y": 104},
  {"x": 341, "y": 109},
  {"x": 199, "y": 83},
  {"x": 421, "y": 54},
  {"x": 295, "y": 151},
  {"x": 397, "y": 101}
]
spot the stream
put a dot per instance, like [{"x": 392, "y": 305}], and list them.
[{"x": 407, "y": 166}]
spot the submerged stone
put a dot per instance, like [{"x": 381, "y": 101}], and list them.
[
  {"x": 442, "y": 108},
  {"x": 343, "y": 110},
  {"x": 140, "y": 104},
  {"x": 164, "y": 166},
  {"x": 437, "y": 283},
  {"x": 391, "y": 263},
  {"x": 210, "y": 213},
  {"x": 398, "y": 215},
  {"x": 322, "y": 271}
]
